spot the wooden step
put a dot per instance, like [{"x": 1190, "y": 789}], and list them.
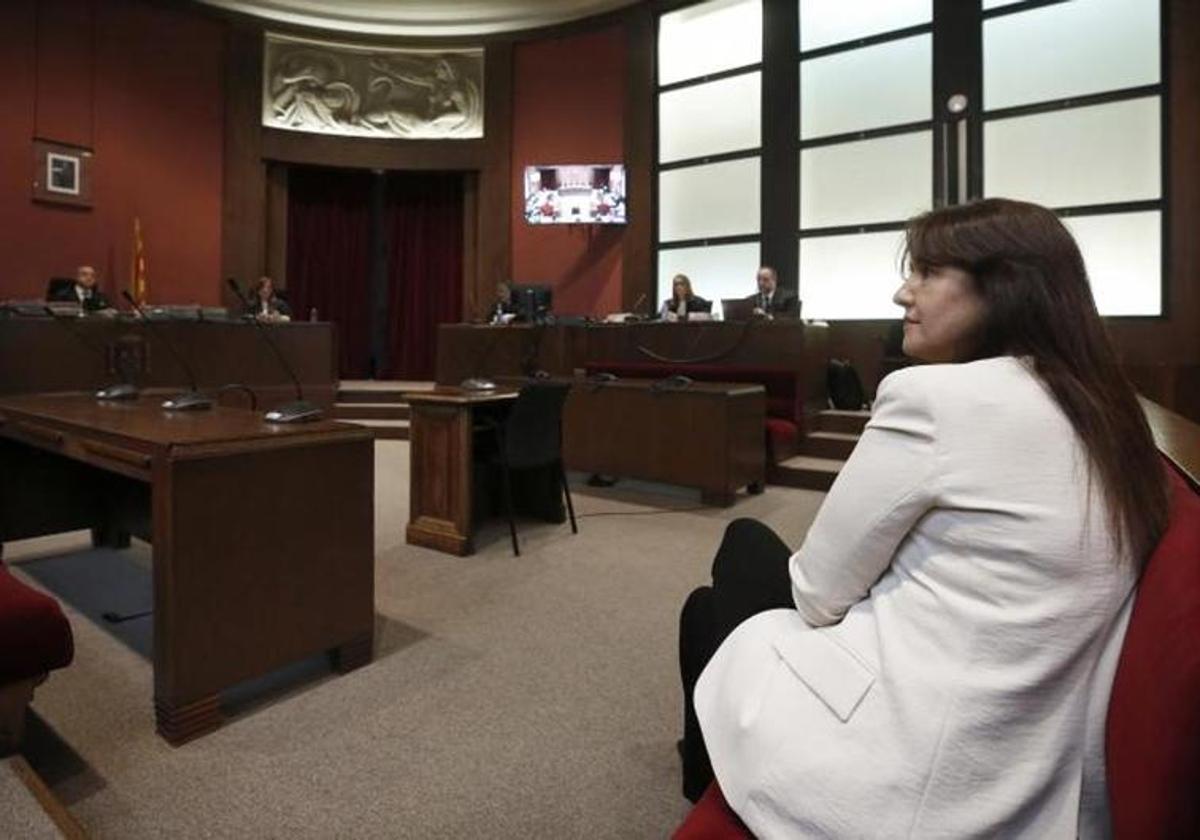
[
  {"x": 371, "y": 411},
  {"x": 828, "y": 445},
  {"x": 385, "y": 429},
  {"x": 377, "y": 391},
  {"x": 843, "y": 422},
  {"x": 372, "y": 395},
  {"x": 806, "y": 471}
]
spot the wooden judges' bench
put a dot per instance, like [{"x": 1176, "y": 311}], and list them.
[
  {"x": 82, "y": 354},
  {"x": 563, "y": 349}
]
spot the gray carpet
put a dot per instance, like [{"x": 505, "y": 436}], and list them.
[{"x": 530, "y": 697}]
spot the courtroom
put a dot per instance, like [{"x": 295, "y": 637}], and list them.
[{"x": 600, "y": 419}]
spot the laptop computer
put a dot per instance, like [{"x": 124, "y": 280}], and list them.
[{"x": 737, "y": 309}]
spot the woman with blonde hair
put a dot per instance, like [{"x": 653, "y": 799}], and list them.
[{"x": 683, "y": 301}]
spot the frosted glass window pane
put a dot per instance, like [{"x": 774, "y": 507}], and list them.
[
  {"x": 1123, "y": 254},
  {"x": 718, "y": 199},
  {"x": 1093, "y": 155},
  {"x": 708, "y": 119},
  {"x": 872, "y": 87},
  {"x": 709, "y": 37},
  {"x": 716, "y": 272},
  {"x": 1069, "y": 49},
  {"x": 850, "y": 276},
  {"x": 887, "y": 179},
  {"x": 825, "y": 22}
]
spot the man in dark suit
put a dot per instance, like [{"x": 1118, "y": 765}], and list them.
[
  {"x": 84, "y": 291},
  {"x": 772, "y": 301}
]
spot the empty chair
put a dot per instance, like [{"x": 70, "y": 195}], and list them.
[{"x": 531, "y": 437}]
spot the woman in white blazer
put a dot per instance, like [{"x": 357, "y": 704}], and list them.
[{"x": 936, "y": 659}]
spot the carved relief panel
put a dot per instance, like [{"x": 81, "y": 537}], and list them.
[{"x": 371, "y": 91}]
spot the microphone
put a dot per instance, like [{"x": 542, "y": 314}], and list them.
[
  {"x": 191, "y": 400},
  {"x": 109, "y": 393},
  {"x": 637, "y": 304},
  {"x": 299, "y": 411}
]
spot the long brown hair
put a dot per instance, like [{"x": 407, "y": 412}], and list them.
[
  {"x": 1038, "y": 303},
  {"x": 681, "y": 279}
]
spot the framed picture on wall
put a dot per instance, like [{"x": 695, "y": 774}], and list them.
[{"x": 62, "y": 174}]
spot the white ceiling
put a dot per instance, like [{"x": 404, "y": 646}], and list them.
[{"x": 421, "y": 18}]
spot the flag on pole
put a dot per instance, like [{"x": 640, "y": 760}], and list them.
[{"x": 140, "y": 283}]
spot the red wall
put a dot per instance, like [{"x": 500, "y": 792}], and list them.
[
  {"x": 141, "y": 84},
  {"x": 568, "y": 107}
]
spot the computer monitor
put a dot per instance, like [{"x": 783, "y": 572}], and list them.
[{"x": 530, "y": 302}]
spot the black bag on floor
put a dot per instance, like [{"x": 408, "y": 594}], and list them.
[{"x": 843, "y": 386}]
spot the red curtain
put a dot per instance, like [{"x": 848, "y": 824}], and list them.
[
  {"x": 423, "y": 223},
  {"x": 329, "y": 258}
]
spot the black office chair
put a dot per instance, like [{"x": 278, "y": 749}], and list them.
[
  {"x": 530, "y": 437},
  {"x": 61, "y": 288}
]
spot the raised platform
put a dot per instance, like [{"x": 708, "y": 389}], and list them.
[{"x": 377, "y": 404}]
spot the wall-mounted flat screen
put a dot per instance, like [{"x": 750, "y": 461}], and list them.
[{"x": 578, "y": 194}]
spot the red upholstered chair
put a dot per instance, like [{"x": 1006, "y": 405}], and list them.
[
  {"x": 35, "y": 638},
  {"x": 1153, "y": 738},
  {"x": 712, "y": 819}
]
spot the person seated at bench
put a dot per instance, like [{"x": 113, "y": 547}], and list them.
[
  {"x": 771, "y": 301},
  {"x": 267, "y": 304},
  {"x": 936, "y": 659},
  {"x": 683, "y": 302},
  {"x": 83, "y": 291}
]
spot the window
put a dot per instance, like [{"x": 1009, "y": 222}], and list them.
[{"x": 709, "y": 104}]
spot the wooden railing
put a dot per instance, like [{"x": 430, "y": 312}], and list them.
[{"x": 1177, "y": 438}]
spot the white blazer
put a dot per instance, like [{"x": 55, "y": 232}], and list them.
[{"x": 960, "y": 608}]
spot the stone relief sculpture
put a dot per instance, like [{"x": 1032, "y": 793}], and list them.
[{"x": 368, "y": 91}]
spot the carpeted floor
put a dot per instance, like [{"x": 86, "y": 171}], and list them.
[{"x": 530, "y": 697}]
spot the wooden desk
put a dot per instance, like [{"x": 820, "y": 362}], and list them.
[
  {"x": 263, "y": 535},
  {"x": 709, "y": 435},
  {"x": 38, "y": 355},
  {"x": 441, "y": 465}
]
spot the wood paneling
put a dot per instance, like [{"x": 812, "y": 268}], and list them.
[
  {"x": 495, "y": 204},
  {"x": 243, "y": 235},
  {"x": 66, "y": 78},
  {"x": 277, "y": 223},
  {"x": 637, "y": 259}
]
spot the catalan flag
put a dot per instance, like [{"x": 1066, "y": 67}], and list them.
[{"x": 140, "y": 283}]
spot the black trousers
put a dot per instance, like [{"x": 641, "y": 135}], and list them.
[{"x": 750, "y": 575}]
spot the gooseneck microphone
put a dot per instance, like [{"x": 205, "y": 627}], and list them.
[
  {"x": 191, "y": 400},
  {"x": 300, "y": 410},
  {"x": 109, "y": 393}
]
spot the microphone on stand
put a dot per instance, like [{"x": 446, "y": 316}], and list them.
[
  {"x": 634, "y": 315},
  {"x": 300, "y": 410},
  {"x": 191, "y": 400},
  {"x": 109, "y": 393}
]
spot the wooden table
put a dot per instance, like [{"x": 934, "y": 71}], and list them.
[
  {"x": 441, "y": 465},
  {"x": 708, "y": 435},
  {"x": 263, "y": 535}
]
